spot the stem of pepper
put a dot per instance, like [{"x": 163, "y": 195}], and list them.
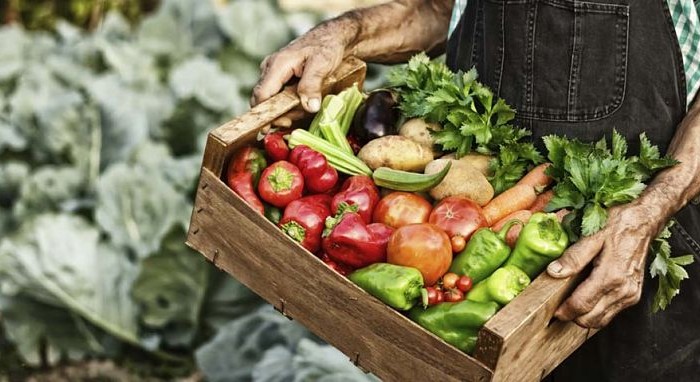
[
  {"x": 294, "y": 230},
  {"x": 280, "y": 179},
  {"x": 424, "y": 297},
  {"x": 504, "y": 231}
]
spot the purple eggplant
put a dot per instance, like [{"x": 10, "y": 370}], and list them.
[{"x": 377, "y": 116}]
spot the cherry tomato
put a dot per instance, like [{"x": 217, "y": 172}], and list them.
[
  {"x": 422, "y": 246},
  {"x": 440, "y": 296},
  {"x": 433, "y": 294},
  {"x": 398, "y": 209},
  {"x": 453, "y": 295},
  {"x": 449, "y": 280},
  {"x": 458, "y": 243},
  {"x": 458, "y": 216},
  {"x": 464, "y": 284}
]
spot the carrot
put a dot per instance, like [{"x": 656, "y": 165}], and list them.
[
  {"x": 519, "y": 197},
  {"x": 537, "y": 178},
  {"x": 522, "y": 215},
  {"x": 514, "y": 232},
  {"x": 541, "y": 201}
]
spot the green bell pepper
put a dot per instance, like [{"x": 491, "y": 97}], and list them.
[
  {"x": 457, "y": 323},
  {"x": 542, "y": 240},
  {"x": 397, "y": 286},
  {"x": 501, "y": 287},
  {"x": 484, "y": 253}
]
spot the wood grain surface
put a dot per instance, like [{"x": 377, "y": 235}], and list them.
[
  {"x": 374, "y": 336},
  {"x": 522, "y": 342}
]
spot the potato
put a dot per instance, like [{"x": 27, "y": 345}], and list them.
[
  {"x": 393, "y": 151},
  {"x": 462, "y": 180},
  {"x": 418, "y": 130},
  {"x": 478, "y": 161}
]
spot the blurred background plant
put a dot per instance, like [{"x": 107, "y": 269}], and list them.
[{"x": 104, "y": 107}]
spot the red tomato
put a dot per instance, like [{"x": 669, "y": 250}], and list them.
[
  {"x": 422, "y": 246},
  {"x": 433, "y": 295},
  {"x": 440, "y": 297},
  {"x": 464, "y": 284},
  {"x": 453, "y": 295},
  {"x": 458, "y": 216},
  {"x": 449, "y": 280},
  {"x": 402, "y": 208}
]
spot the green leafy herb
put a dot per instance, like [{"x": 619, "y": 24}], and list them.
[
  {"x": 472, "y": 118},
  {"x": 669, "y": 270},
  {"x": 592, "y": 177}
]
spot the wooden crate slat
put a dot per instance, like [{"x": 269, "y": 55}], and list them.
[
  {"x": 523, "y": 341},
  {"x": 373, "y": 335}
]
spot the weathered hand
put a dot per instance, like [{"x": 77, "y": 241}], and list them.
[
  {"x": 618, "y": 253},
  {"x": 311, "y": 58}
]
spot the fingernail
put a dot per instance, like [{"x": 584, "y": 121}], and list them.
[
  {"x": 554, "y": 267},
  {"x": 314, "y": 104}
]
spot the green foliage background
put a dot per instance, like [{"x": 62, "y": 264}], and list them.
[{"x": 101, "y": 139}]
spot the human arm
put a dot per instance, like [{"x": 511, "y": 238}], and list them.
[
  {"x": 386, "y": 33},
  {"x": 619, "y": 251}
]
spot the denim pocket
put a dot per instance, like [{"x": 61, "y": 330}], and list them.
[{"x": 570, "y": 59}]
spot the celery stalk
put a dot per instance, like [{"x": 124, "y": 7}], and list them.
[
  {"x": 330, "y": 123},
  {"x": 340, "y": 160}
]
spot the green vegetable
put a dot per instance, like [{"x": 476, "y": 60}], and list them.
[
  {"x": 457, "y": 323},
  {"x": 501, "y": 287},
  {"x": 485, "y": 252},
  {"x": 272, "y": 213},
  {"x": 668, "y": 269},
  {"x": 542, "y": 240},
  {"x": 591, "y": 178},
  {"x": 342, "y": 161},
  {"x": 408, "y": 181},
  {"x": 397, "y": 286},
  {"x": 471, "y": 119},
  {"x": 334, "y": 119}
]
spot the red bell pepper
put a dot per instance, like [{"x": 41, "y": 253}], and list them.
[
  {"x": 243, "y": 174},
  {"x": 340, "y": 268},
  {"x": 304, "y": 220},
  {"x": 356, "y": 244},
  {"x": 319, "y": 176},
  {"x": 275, "y": 146},
  {"x": 354, "y": 144},
  {"x": 242, "y": 184},
  {"x": 358, "y": 190},
  {"x": 248, "y": 159},
  {"x": 281, "y": 183}
]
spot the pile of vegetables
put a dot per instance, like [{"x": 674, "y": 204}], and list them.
[{"x": 427, "y": 198}]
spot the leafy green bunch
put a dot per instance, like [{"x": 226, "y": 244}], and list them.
[
  {"x": 471, "y": 117},
  {"x": 668, "y": 269},
  {"x": 590, "y": 177}
]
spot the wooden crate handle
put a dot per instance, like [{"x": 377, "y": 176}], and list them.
[
  {"x": 350, "y": 71},
  {"x": 526, "y": 327},
  {"x": 228, "y": 137}
]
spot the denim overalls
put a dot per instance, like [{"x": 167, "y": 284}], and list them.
[{"x": 582, "y": 69}]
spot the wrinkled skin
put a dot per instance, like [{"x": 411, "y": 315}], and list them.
[
  {"x": 388, "y": 33},
  {"x": 393, "y": 32},
  {"x": 619, "y": 251}
]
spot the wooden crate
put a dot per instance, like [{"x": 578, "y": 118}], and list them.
[{"x": 520, "y": 343}]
